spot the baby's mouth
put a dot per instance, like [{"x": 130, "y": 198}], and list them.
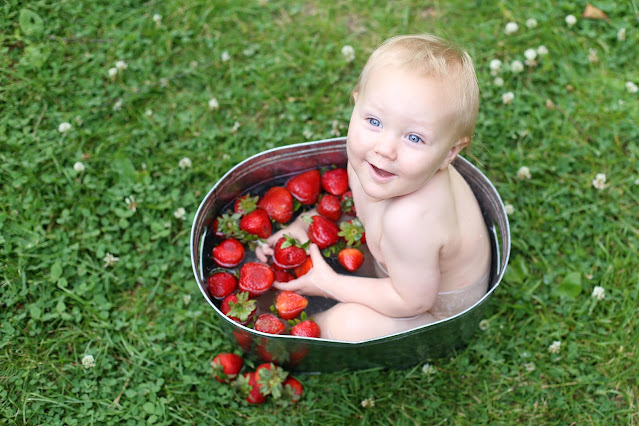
[{"x": 381, "y": 172}]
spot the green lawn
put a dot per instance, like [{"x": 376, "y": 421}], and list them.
[{"x": 94, "y": 244}]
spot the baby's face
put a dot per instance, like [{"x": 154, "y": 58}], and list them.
[{"x": 400, "y": 133}]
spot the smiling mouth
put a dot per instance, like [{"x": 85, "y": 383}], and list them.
[{"x": 381, "y": 173}]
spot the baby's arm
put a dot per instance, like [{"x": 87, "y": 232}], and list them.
[{"x": 297, "y": 229}]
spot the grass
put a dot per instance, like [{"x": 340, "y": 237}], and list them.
[{"x": 286, "y": 82}]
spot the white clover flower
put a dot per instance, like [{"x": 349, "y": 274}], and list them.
[
  {"x": 65, "y": 127},
  {"x": 307, "y": 134},
  {"x": 131, "y": 204},
  {"x": 598, "y": 293},
  {"x": 507, "y": 98},
  {"x": 599, "y": 182},
  {"x": 621, "y": 34},
  {"x": 335, "y": 128},
  {"x": 110, "y": 260},
  {"x": 495, "y": 66},
  {"x": 180, "y": 213},
  {"x": 530, "y": 54},
  {"x": 368, "y": 403},
  {"x": 225, "y": 56},
  {"x": 570, "y": 20},
  {"x": 117, "y": 106},
  {"x": 121, "y": 65},
  {"x": 510, "y": 209},
  {"x": 592, "y": 56},
  {"x": 484, "y": 324},
  {"x": 516, "y": 66},
  {"x": 88, "y": 361},
  {"x": 530, "y": 367},
  {"x": 348, "y": 53},
  {"x": 542, "y": 50},
  {"x": 185, "y": 163},
  {"x": 498, "y": 81},
  {"x": 157, "y": 18},
  {"x": 235, "y": 127},
  {"x": 79, "y": 166},
  {"x": 113, "y": 72},
  {"x": 428, "y": 369},
  {"x": 250, "y": 51},
  {"x": 555, "y": 347},
  {"x": 148, "y": 112},
  {"x": 213, "y": 104},
  {"x": 511, "y": 28},
  {"x": 186, "y": 299},
  {"x": 523, "y": 173},
  {"x": 531, "y": 23},
  {"x": 164, "y": 82},
  {"x": 631, "y": 87}
]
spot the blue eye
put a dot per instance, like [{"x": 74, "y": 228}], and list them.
[
  {"x": 374, "y": 122},
  {"x": 414, "y": 138}
]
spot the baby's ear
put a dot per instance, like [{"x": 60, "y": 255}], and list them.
[{"x": 455, "y": 149}]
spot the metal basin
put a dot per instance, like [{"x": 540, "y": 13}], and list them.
[{"x": 400, "y": 350}]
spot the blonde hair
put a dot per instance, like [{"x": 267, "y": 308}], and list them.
[{"x": 435, "y": 57}]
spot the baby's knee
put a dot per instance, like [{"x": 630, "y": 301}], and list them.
[{"x": 350, "y": 322}]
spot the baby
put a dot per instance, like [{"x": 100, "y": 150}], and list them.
[{"x": 416, "y": 104}]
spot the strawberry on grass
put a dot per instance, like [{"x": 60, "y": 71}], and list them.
[
  {"x": 250, "y": 387},
  {"x": 270, "y": 378},
  {"x": 226, "y": 366},
  {"x": 293, "y": 389}
]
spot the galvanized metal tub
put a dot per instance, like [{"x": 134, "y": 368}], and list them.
[{"x": 322, "y": 355}]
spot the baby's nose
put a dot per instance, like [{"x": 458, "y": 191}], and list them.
[{"x": 385, "y": 146}]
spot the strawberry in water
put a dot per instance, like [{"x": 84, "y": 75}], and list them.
[
  {"x": 278, "y": 204},
  {"x": 353, "y": 232},
  {"x": 350, "y": 258},
  {"x": 245, "y": 204},
  {"x": 293, "y": 389},
  {"x": 305, "y": 187},
  {"x": 348, "y": 205},
  {"x": 226, "y": 366},
  {"x": 323, "y": 232},
  {"x": 221, "y": 284},
  {"x": 290, "y": 304},
  {"x": 304, "y": 267},
  {"x": 306, "y": 328},
  {"x": 288, "y": 253},
  {"x": 255, "y": 278},
  {"x": 229, "y": 253},
  {"x": 335, "y": 181},
  {"x": 257, "y": 223},
  {"x": 238, "y": 307},
  {"x": 282, "y": 276},
  {"x": 330, "y": 207},
  {"x": 269, "y": 323}
]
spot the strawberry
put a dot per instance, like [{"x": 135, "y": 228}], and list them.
[
  {"x": 288, "y": 253},
  {"x": 245, "y": 204},
  {"x": 330, "y": 207},
  {"x": 304, "y": 267},
  {"x": 335, "y": 181},
  {"x": 323, "y": 232},
  {"x": 251, "y": 388},
  {"x": 305, "y": 187},
  {"x": 350, "y": 258},
  {"x": 221, "y": 284},
  {"x": 290, "y": 304},
  {"x": 226, "y": 367},
  {"x": 238, "y": 307},
  {"x": 269, "y": 323},
  {"x": 293, "y": 389},
  {"x": 229, "y": 253},
  {"x": 348, "y": 205},
  {"x": 281, "y": 276},
  {"x": 307, "y": 328},
  {"x": 244, "y": 339},
  {"x": 278, "y": 204},
  {"x": 270, "y": 378},
  {"x": 255, "y": 278},
  {"x": 227, "y": 225},
  {"x": 353, "y": 232},
  {"x": 257, "y": 223}
]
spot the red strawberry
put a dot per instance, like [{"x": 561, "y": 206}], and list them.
[
  {"x": 227, "y": 225},
  {"x": 330, "y": 207},
  {"x": 238, "y": 307},
  {"x": 251, "y": 388},
  {"x": 348, "y": 205},
  {"x": 335, "y": 181},
  {"x": 244, "y": 339},
  {"x": 290, "y": 304},
  {"x": 304, "y": 268},
  {"x": 278, "y": 204},
  {"x": 255, "y": 278},
  {"x": 257, "y": 223},
  {"x": 229, "y": 253},
  {"x": 270, "y": 378},
  {"x": 226, "y": 367},
  {"x": 282, "y": 276},
  {"x": 245, "y": 204},
  {"x": 305, "y": 187},
  {"x": 288, "y": 253},
  {"x": 293, "y": 389},
  {"x": 307, "y": 328},
  {"x": 323, "y": 232},
  {"x": 350, "y": 258},
  {"x": 353, "y": 232},
  {"x": 269, "y": 323},
  {"x": 221, "y": 284}
]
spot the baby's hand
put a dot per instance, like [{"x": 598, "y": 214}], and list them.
[
  {"x": 310, "y": 284},
  {"x": 296, "y": 230}
]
